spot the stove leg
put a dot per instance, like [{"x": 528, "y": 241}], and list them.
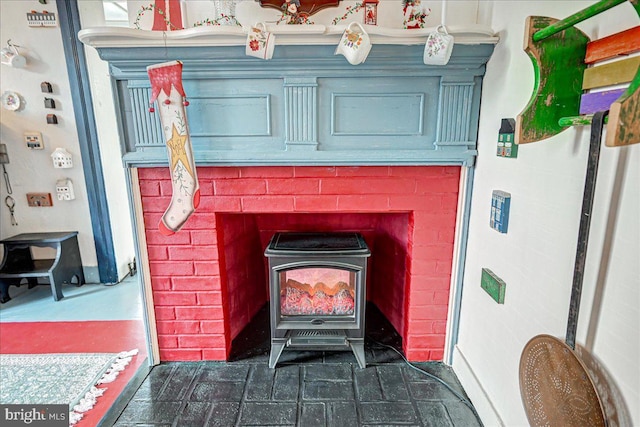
[
  {"x": 276, "y": 351},
  {"x": 358, "y": 352}
]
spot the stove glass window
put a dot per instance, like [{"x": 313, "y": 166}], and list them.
[{"x": 317, "y": 291}]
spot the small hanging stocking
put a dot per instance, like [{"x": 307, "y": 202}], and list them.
[
  {"x": 167, "y": 15},
  {"x": 166, "y": 88}
]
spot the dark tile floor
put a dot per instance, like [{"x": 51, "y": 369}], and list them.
[{"x": 307, "y": 389}]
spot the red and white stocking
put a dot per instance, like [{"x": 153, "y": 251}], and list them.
[
  {"x": 166, "y": 88},
  {"x": 167, "y": 15}
]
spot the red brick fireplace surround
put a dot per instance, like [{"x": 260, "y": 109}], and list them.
[{"x": 210, "y": 278}]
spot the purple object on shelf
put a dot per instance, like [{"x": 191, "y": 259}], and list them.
[{"x": 598, "y": 101}]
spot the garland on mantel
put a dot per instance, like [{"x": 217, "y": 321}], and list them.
[
  {"x": 350, "y": 9},
  {"x": 150, "y": 8},
  {"x": 217, "y": 21},
  {"x": 206, "y": 21}
]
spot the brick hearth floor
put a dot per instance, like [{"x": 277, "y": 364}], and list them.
[{"x": 307, "y": 389}]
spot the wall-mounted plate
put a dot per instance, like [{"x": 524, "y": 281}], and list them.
[{"x": 11, "y": 101}]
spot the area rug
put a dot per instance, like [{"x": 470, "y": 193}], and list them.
[{"x": 66, "y": 378}]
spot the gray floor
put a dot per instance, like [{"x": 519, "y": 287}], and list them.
[
  {"x": 305, "y": 391},
  {"x": 86, "y": 302}
]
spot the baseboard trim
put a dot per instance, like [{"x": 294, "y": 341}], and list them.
[
  {"x": 479, "y": 397},
  {"x": 91, "y": 274}
]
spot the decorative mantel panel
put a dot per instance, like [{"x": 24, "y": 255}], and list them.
[
  {"x": 307, "y": 105},
  {"x": 309, "y": 142}
]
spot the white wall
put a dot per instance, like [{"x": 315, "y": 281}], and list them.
[
  {"x": 32, "y": 170},
  {"x": 536, "y": 256},
  {"x": 248, "y": 12},
  {"x": 92, "y": 15}
]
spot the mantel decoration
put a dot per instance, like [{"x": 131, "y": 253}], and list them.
[
  {"x": 305, "y": 7},
  {"x": 225, "y": 12},
  {"x": 415, "y": 14},
  {"x": 167, "y": 15},
  {"x": 370, "y": 12},
  {"x": 350, "y": 10},
  {"x": 291, "y": 13}
]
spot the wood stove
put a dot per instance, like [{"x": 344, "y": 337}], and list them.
[{"x": 317, "y": 288}]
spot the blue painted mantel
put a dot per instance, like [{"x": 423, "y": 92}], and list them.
[{"x": 306, "y": 106}]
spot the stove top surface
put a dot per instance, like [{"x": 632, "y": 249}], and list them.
[{"x": 317, "y": 242}]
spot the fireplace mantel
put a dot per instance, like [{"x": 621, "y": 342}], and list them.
[{"x": 306, "y": 106}]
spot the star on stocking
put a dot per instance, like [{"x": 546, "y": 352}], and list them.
[
  {"x": 178, "y": 152},
  {"x": 186, "y": 194}
]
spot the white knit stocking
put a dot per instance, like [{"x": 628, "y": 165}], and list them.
[{"x": 166, "y": 83}]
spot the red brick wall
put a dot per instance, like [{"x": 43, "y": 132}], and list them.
[
  {"x": 194, "y": 302},
  {"x": 241, "y": 268},
  {"x": 389, "y": 270}
]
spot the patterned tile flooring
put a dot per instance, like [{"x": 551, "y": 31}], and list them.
[{"x": 306, "y": 389}]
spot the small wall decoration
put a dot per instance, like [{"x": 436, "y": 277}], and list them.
[
  {"x": 371, "y": 12},
  {"x": 10, "y": 56},
  {"x": 415, "y": 14},
  {"x": 62, "y": 159},
  {"x": 52, "y": 119},
  {"x": 33, "y": 140},
  {"x": 41, "y": 19},
  {"x": 506, "y": 144},
  {"x": 49, "y": 103},
  {"x": 494, "y": 285},
  {"x": 9, "y": 201},
  {"x": 64, "y": 189},
  {"x": 11, "y": 101},
  {"x": 45, "y": 87},
  {"x": 500, "y": 204}
]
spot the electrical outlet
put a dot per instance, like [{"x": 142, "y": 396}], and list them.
[{"x": 39, "y": 199}]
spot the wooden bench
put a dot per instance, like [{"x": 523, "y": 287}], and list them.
[{"x": 18, "y": 263}]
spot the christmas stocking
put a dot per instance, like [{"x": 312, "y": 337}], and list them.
[
  {"x": 167, "y": 15},
  {"x": 166, "y": 88}
]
